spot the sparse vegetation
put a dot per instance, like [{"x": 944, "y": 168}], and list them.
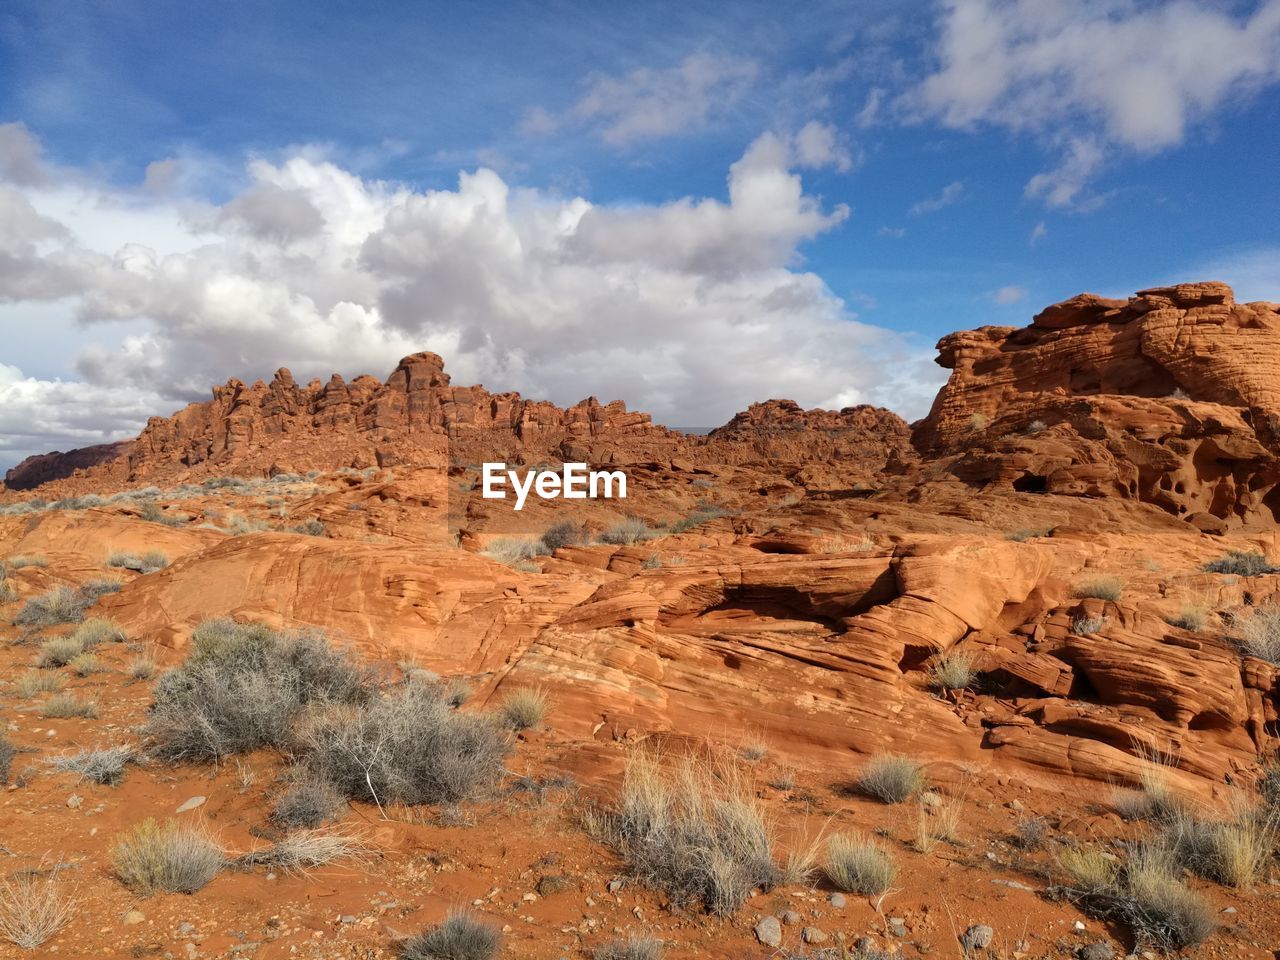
[
  {"x": 59, "y": 605},
  {"x": 891, "y": 778},
  {"x": 93, "y": 589},
  {"x": 1191, "y": 617},
  {"x": 7, "y": 753},
  {"x": 98, "y": 630},
  {"x": 952, "y": 670},
  {"x": 514, "y": 552},
  {"x": 1088, "y": 868},
  {"x": 152, "y": 511},
  {"x": 105, "y": 766},
  {"x": 1259, "y": 633},
  {"x": 1155, "y": 799},
  {"x": 856, "y": 864},
  {"x": 1233, "y": 851},
  {"x": 85, "y": 664},
  {"x": 703, "y": 513},
  {"x": 64, "y": 706},
  {"x": 242, "y": 687},
  {"x": 143, "y": 666},
  {"x": 59, "y": 651},
  {"x": 1100, "y": 588},
  {"x": 1030, "y": 533},
  {"x": 696, "y": 832},
  {"x": 637, "y": 948},
  {"x": 304, "y": 849},
  {"x": 35, "y": 682},
  {"x": 524, "y": 709},
  {"x": 566, "y": 533},
  {"x": 311, "y": 528},
  {"x": 166, "y": 858},
  {"x": 939, "y": 822},
  {"x": 20, "y": 560},
  {"x": 460, "y": 937},
  {"x": 626, "y": 532},
  {"x": 33, "y": 907},
  {"x": 1241, "y": 563},
  {"x": 1087, "y": 626},
  {"x": 149, "y": 562},
  {"x": 308, "y": 802}
]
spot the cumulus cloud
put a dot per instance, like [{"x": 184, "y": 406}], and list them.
[
  {"x": 1132, "y": 76},
  {"x": 689, "y": 309},
  {"x": 950, "y": 194},
  {"x": 649, "y": 103}
]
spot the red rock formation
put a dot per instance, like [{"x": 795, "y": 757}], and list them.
[
  {"x": 47, "y": 467},
  {"x": 1171, "y": 398}
]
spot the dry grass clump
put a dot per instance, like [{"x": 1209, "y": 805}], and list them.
[
  {"x": 939, "y": 822},
  {"x": 1088, "y": 868},
  {"x": 64, "y": 706},
  {"x": 85, "y": 664},
  {"x": 696, "y": 831},
  {"x": 143, "y": 666},
  {"x": 7, "y": 752},
  {"x": 1087, "y": 626},
  {"x": 58, "y": 652},
  {"x": 891, "y": 778},
  {"x": 1030, "y": 533},
  {"x": 20, "y": 560},
  {"x": 514, "y": 552},
  {"x": 1259, "y": 634},
  {"x": 105, "y": 766},
  {"x": 303, "y": 849},
  {"x": 243, "y": 686},
  {"x": 59, "y": 605},
  {"x": 952, "y": 670},
  {"x": 166, "y": 858},
  {"x": 1191, "y": 617},
  {"x": 1233, "y": 851},
  {"x": 408, "y": 746},
  {"x": 637, "y": 948},
  {"x": 525, "y": 708},
  {"x": 8, "y": 593},
  {"x": 308, "y": 802},
  {"x": 33, "y": 907},
  {"x": 100, "y": 587},
  {"x": 34, "y": 682},
  {"x": 628, "y": 531},
  {"x": 98, "y": 630},
  {"x": 856, "y": 864},
  {"x": 1241, "y": 563},
  {"x": 1155, "y": 798},
  {"x": 1100, "y": 588},
  {"x": 460, "y": 937},
  {"x": 149, "y": 562}
]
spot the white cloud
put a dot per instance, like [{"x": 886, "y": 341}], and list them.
[
  {"x": 818, "y": 145},
  {"x": 897, "y": 233},
  {"x": 650, "y": 104},
  {"x": 950, "y": 194},
  {"x": 1008, "y": 295},
  {"x": 690, "y": 309},
  {"x": 1038, "y": 233},
  {"x": 1133, "y": 75},
  {"x": 19, "y": 156}
]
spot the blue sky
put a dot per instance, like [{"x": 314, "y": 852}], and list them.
[{"x": 287, "y": 175}]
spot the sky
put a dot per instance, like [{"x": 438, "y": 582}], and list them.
[{"x": 689, "y": 206}]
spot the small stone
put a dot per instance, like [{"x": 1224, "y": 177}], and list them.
[
  {"x": 1229, "y": 910},
  {"x": 134, "y": 917},
  {"x": 191, "y": 804},
  {"x": 1016, "y": 806},
  {"x": 186, "y": 929},
  {"x": 1100, "y": 950},
  {"x": 931, "y": 799},
  {"x": 346, "y": 918},
  {"x": 837, "y": 900},
  {"x": 616, "y": 885},
  {"x": 74, "y": 802},
  {"x": 977, "y": 937},
  {"x": 271, "y": 876},
  {"x": 813, "y": 935},
  {"x": 791, "y": 918},
  {"x": 1078, "y": 926},
  {"x": 769, "y": 932},
  {"x": 529, "y": 897}
]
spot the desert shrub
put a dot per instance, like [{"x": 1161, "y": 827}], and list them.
[
  {"x": 1087, "y": 626},
  {"x": 1030, "y": 832},
  {"x": 59, "y": 651},
  {"x": 1233, "y": 851},
  {"x": 1155, "y": 798},
  {"x": 8, "y": 593},
  {"x": 242, "y": 687},
  {"x": 524, "y": 709},
  {"x": 939, "y": 822},
  {"x": 152, "y": 511},
  {"x": 1029, "y": 533},
  {"x": 1269, "y": 784},
  {"x": 652, "y": 562},
  {"x": 1101, "y": 588},
  {"x": 563, "y": 534},
  {"x": 952, "y": 670},
  {"x": 59, "y": 605},
  {"x": 1037, "y": 426},
  {"x": 33, "y": 907},
  {"x": 142, "y": 667},
  {"x": 105, "y": 766},
  {"x": 516, "y": 552},
  {"x": 699, "y": 834},
  {"x": 857, "y": 865},
  {"x": 460, "y": 937},
  {"x": 1088, "y": 868},
  {"x": 237, "y": 525},
  {"x": 308, "y": 802},
  {"x": 20, "y": 560},
  {"x": 93, "y": 589},
  {"x": 166, "y": 858},
  {"x": 7, "y": 753},
  {"x": 312, "y": 528},
  {"x": 1191, "y": 617},
  {"x": 891, "y": 778},
  {"x": 1259, "y": 634},
  {"x": 98, "y": 630},
  {"x": 79, "y": 503},
  {"x": 85, "y": 664},
  {"x": 64, "y": 706},
  {"x": 303, "y": 849},
  {"x": 408, "y": 746},
  {"x": 704, "y": 513},
  {"x": 34, "y": 682},
  {"x": 636, "y": 948},
  {"x": 1241, "y": 563},
  {"x": 626, "y": 532}
]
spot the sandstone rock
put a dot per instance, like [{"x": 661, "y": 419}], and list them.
[
  {"x": 977, "y": 937},
  {"x": 769, "y": 932}
]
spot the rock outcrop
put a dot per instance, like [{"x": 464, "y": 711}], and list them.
[
  {"x": 1171, "y": 398},
  {"x": 48, "y": 467}
]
